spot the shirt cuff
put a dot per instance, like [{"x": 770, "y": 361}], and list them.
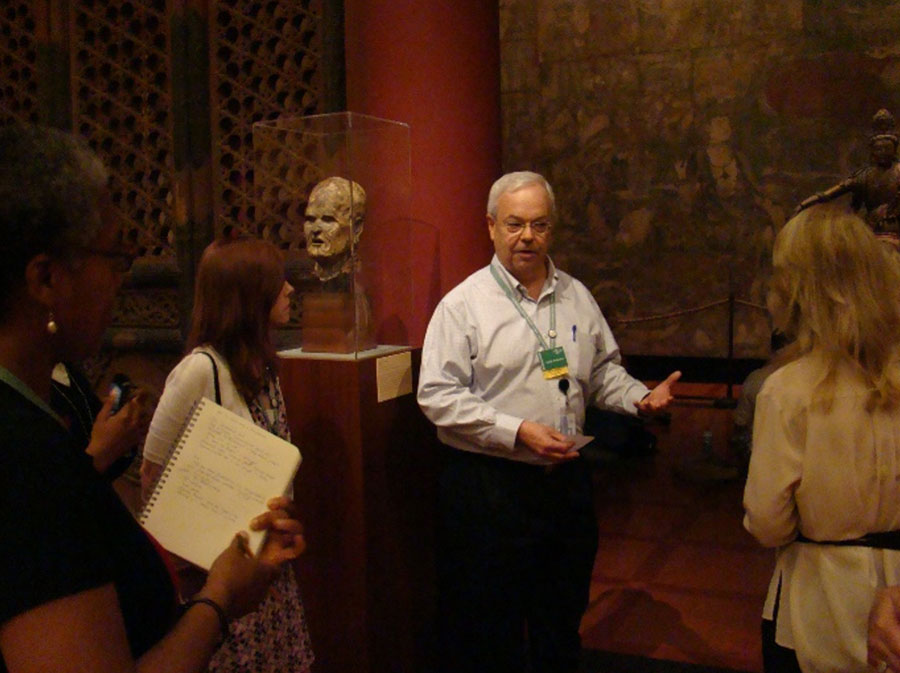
[
  {"x": 506, "y": 428},
  {"x": 637, "y": 394}
]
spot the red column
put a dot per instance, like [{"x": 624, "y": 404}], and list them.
[{"x": 436, "y": 66}]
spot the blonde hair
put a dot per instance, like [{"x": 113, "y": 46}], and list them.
[{"x": 836, "y": 291}]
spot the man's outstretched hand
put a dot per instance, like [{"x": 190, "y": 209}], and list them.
[{"x": 659, "y": 398}]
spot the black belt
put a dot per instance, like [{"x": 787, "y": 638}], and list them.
[{"x": 885, "y": 540}]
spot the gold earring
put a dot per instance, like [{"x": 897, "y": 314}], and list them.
[{"x": 52, "y": 327}]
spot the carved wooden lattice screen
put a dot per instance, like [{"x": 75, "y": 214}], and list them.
[{"x": 166, "y": 92}]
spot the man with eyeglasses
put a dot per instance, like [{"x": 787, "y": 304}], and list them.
[{"x": 511, "y": 358}]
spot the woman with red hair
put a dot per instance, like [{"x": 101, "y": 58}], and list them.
[{"x": 240, "y": 295}]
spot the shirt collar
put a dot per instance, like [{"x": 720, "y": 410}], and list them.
[
  {"x": 20, "y": 387},
  {"x": 549, "y": 283}
]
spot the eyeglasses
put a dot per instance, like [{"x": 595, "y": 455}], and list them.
[
  {"x": 121, "y": 259},
  {"x": 538, "y": 228}
]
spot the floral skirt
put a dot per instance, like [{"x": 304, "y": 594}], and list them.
[{"x": 273, "y": 639}]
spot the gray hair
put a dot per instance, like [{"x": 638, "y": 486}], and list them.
[
  {"x": 513, "y": 182},
  {"x": 50, "y": 183}
]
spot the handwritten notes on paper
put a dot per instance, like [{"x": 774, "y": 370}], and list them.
[{"x": 219, "y": 475}]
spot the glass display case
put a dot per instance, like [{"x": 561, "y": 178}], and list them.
[{"x": 336, "y": 190}]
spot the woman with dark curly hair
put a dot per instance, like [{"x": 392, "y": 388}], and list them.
[{"x": 83, "y": 587}]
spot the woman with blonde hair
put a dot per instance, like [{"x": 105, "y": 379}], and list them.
[
  {"x": 824, "y": 477},
  {"x": 240, "y": 295}
]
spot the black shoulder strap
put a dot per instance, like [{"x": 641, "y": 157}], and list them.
[{"x": 215, "y": 376}]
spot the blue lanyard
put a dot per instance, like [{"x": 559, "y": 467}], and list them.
[{"x": 507, "y": 290}]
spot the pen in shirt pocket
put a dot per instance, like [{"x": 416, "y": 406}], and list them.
[{"x": 574, "y": 332}]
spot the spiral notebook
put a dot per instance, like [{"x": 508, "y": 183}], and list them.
[{"x": 220, "y": 473}]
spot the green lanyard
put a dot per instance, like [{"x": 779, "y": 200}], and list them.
[
  {"x": 20, "y": 387},
  {"x": 507, "y": 290}
]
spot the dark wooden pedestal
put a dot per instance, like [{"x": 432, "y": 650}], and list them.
[
  {"x": 336, "y": 322},
  {"x": 366, "y": 491}
]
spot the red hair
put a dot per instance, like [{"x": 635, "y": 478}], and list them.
[{"x": 237, "y": 284}]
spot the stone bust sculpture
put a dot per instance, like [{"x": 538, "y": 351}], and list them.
[
  {"x": 333, "y": 224},
  {"x": 876, "y": 188},
  {"x": 336, "y": 317}
]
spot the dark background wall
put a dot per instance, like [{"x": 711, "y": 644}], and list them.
[{"x": 680, "y": 135}]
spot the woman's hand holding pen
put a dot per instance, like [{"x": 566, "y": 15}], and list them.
[
  {"x": 237, "y": 580},
  {"x": 285, "y": 540}
]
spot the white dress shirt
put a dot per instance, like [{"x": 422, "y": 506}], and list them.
[
  {"x": 481, "y": 376},
  {"x": 832, "y": 474}
]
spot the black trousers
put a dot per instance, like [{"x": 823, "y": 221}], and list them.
[
  {"x": 516, "y": 550},
  {"x": 776, "y": 658}
]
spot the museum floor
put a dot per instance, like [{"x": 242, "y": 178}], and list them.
[
  {"x": 678, "y": 584},
  {"x": 677, "y": 577}
]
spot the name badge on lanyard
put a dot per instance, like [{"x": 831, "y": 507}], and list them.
[
  {"x": 552, "y": 358},
  {"x": 553, "y": 362}
]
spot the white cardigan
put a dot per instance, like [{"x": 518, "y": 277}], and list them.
[{"x": 191, "y": 379}]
